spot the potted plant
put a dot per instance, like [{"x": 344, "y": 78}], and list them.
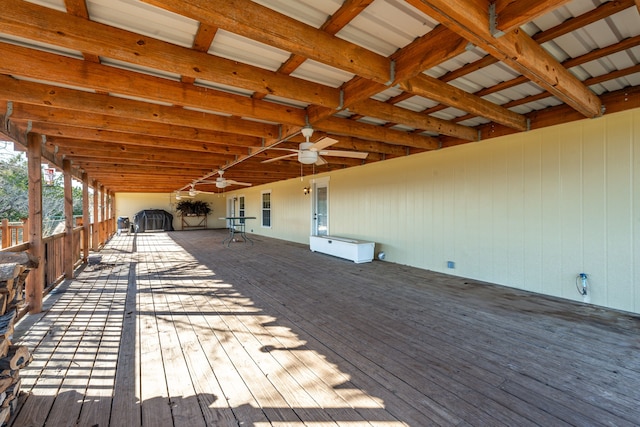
[{"x": 193, "y": 208}]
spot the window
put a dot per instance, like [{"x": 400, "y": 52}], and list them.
[{"x": 266, "y": 209}]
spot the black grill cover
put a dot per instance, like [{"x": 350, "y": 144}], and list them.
[{"x": 153, "y": 220}]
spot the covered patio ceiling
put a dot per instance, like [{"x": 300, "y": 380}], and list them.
[{"x": 154, "y": 95}]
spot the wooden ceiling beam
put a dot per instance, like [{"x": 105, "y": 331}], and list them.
[
  {"x": 74, "y": 72},
  {"x": 46, "y": 25},
  {"x": 434, "y": 89},
  {"x": 79, "y": 8},
  {"x": 601, "y": 12},
  {"x": 268, "y": 26},
  {"x": 347, "y": 11},
  {"x": 54, "y": 121},
  {"x": 469, "y": 18},
  {"x": 338, "y": 126},
  {"x": 511, "y": 14},
  {"x": 77, "y": 73},
  {"x": 388, "y": 112},
  {"x": 201, "y": 43},
  {"x": 90, "y": 161},
  {"x": 124, "y": 169},
  {"x": 438, "y": 45},
  {"x": 435, "y": 47},
  {"x": 109, "y": 150},
  {"x": 70, "y": 99},
  {"x": 140, "y": 140}
]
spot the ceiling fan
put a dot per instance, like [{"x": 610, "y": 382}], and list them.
[
  {"x": 191, "y": 193},
  {"x": 310, "y": 152},
  {"x": 220, "y": 182}
]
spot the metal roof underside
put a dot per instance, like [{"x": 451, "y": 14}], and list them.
[{"x": 157, "y": 95}]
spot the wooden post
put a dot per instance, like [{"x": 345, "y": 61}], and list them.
[
  {"x": 110, "y": 231},
  {"x": 25, "y": 230},
  {"x": 95, "y": 237},
  {"x": 35, "y": 279},
  {"x": 6, "y": 234},
  {"x": 113, "y": 213},
  {"x": 102, "y": 215},
  {"x": 85, "y": 218},
  {"x": 68, "y": 220}
]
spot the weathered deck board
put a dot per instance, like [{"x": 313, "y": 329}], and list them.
[{"x": 176, "y": 329}]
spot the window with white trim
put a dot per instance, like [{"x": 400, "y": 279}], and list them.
[{"x": 266, "y": 209}]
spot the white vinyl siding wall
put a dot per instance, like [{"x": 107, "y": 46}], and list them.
[{"x": 530, "y": 210}]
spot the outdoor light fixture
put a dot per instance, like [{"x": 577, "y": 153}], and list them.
[{"x": 306, "y": 190}]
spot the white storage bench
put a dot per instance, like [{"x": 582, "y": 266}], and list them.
[{"x": 357, "y": 251}]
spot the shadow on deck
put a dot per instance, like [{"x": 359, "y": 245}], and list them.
[{"x": 175, "y": 329}]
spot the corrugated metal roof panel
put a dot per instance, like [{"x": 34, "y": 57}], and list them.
[
  {"x": 417, "y": 103},
  {"x": 242, "y": 49},
  {"x": 387, "y": 25},
  {"x": 321, "y": 73},
  {"x": 142, "y": 18},
  {"x": 387, "y": 94},
  {"x": 53, "y": 4},
  {"x": 311, "y": 12}
]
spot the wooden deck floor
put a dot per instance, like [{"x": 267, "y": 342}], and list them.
[{"x": 173, "y": 329}]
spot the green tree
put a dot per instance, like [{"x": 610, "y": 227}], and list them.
[
  {"x": 14, "y": 198},
  {"x": 14, "y": 183}
]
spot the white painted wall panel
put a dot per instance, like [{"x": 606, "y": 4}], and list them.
[
  {"x": 531, "y": 210},
  {"x": 635, "y": 265},
  {"x": 618, "y": 212},
  {"x": 593, "y": 209},
  {"x": 532, "y": 214}
]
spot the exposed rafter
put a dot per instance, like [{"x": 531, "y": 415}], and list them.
[
  {"x": 471, "y": 19},
  {"x": 221, "y": 82}
]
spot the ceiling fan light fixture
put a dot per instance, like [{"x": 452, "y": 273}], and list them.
[
  {"x": 192, "y": 192},
  {"x": 305, "y": 155}
]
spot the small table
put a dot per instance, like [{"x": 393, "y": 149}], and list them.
[{"x": 237, "y": 226}]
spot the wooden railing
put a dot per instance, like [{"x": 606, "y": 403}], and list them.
[
  {"x": 53, "y": 253},
  {"x": 54, "y": 268},
  {"x": 13, "y": 233}
]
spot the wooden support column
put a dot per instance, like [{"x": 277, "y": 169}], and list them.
[
  {"x": 6, "y": 234},
  {"x": 112, "y": 213},
  {"x": 35, "y": 279},
  {"x": 95, "y": 236},
  {"x": 103, "y": 211},
  {"x": 85, "y": 218},
  {"x": 68, "y": 220}
]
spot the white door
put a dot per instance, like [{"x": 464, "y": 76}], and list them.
[{"x": 320, "y": 208}]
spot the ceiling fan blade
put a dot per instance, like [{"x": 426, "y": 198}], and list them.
[
  {"x": 343, "y": 153},
  {"x": 320, "y": 161},
  {"x": 322, "y": 143},
  {"x": 293, "y": 150},
  {"x": 232, "y": 182},
  {"x": 180, "y": 196},
  {"x": 280, "y": 158}
]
